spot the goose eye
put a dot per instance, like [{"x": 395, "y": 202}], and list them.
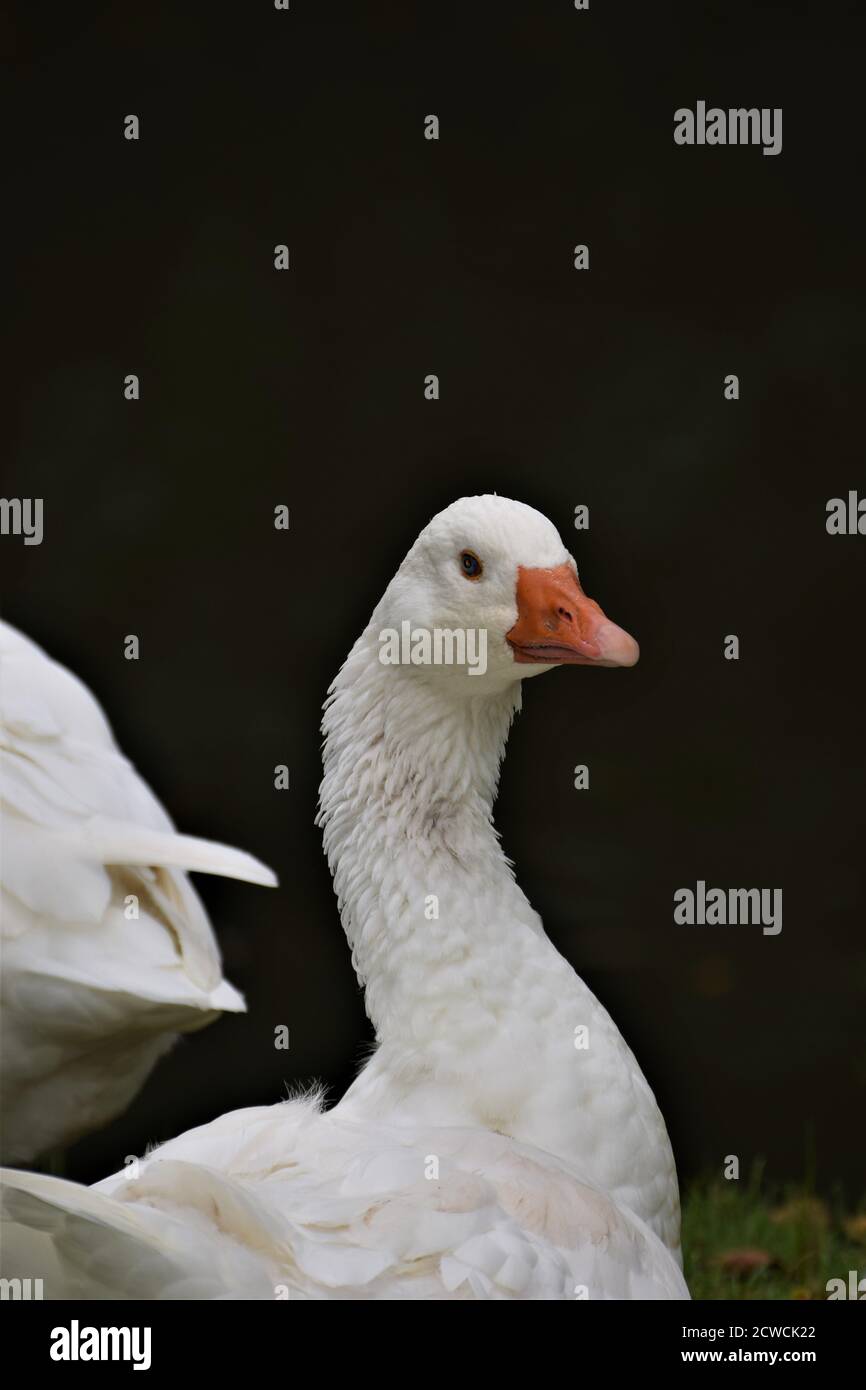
[{"x": 470, "y": 564}]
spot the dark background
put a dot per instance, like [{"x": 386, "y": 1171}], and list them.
[{"x": 559, "y": 388}]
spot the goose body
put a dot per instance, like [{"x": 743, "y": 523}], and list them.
[
  {"x": 107, "y": 953},
  {"x": 479, "y": 1153}
]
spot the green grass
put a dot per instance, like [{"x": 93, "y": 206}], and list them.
[{"x": 805, "y": 1239}]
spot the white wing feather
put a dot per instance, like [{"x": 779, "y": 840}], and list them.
[{"x": 92, "y": 995}]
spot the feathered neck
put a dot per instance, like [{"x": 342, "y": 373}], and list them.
[{"x": 411, "y": 768}]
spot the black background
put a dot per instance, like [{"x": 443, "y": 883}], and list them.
[{"x": 558, "y": 387}]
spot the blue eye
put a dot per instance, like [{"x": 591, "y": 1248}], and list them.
[{"x": 470, "y": 564}]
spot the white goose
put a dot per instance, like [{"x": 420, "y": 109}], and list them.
[
  {"x": 107, "y": 952},
  {"x": 479, "y": 1154}
]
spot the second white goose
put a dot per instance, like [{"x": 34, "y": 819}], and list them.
[{"x": 106, "y": 951}]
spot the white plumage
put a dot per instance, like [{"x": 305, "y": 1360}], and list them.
[
  {"x": 479, "y": 1154},
  {"x": 107, "y": 952}
]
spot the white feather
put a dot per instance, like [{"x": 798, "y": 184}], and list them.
[{"x": 90, "y": 996}]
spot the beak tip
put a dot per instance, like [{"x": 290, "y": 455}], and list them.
[{"x": 618, "y": 646}]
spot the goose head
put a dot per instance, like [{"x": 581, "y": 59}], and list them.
[{"x": 496, "y": 571}]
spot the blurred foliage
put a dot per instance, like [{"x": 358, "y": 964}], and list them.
[{"x": 750, "y": 1240}]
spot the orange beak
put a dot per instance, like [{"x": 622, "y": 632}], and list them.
[{"x": 557, "y": 623}]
